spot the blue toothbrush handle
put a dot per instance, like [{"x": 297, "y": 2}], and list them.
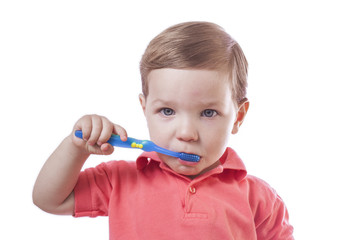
[{"x": 116, "y": 141}]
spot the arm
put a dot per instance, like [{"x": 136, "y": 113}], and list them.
[
  {"x": 276, "y": 225},
  {"x": 53, "y": 189}
]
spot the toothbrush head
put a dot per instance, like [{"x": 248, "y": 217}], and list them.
[{"x": 189, "y": 157}]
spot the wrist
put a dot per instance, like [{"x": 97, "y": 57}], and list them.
[{"x": 77, "y": 147}]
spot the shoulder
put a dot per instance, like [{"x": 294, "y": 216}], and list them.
[
  {"x": 259, "y": 187},
  {"x": 270, "y": 213},
  {"x": 111, "y": 169},
  {"x": 262, "y": 196},
  {"x": 116, "y": 165}
]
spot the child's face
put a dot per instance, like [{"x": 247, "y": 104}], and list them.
[{"x": 189, "y": 111}]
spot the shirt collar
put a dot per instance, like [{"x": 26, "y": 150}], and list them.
[{"x": 230, "y": 161}]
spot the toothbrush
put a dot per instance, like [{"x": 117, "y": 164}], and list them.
[{"x": 145, "y": 145}]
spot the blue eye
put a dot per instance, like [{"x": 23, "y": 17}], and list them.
[
  {"x": 167, "y": 111},
  {"x": 209, "y": 113}
]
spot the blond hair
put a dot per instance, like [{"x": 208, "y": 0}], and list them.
[{"x": 197, "y": 45}]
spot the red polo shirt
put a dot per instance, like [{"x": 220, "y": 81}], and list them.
[{"x": 147, "y": 200}]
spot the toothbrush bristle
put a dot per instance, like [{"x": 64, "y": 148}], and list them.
[{"x": 189, "y": 157}]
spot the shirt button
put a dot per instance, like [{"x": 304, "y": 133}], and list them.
[{"x": 192, "y": 190}]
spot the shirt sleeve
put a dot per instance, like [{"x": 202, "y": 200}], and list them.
[
  {"x": 270, "y": 213},
  {"x": 92, "y": 192},
  {"x": 275, "y": 225}
]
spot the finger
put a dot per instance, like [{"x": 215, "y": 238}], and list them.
[
  {"x": 96, "y": 130},
  {"x": 85, "y": 125},
  {"x": 107, "y": 149},
  {"x": 106, "y": 132},
  {"x": 119, "y": 130}
]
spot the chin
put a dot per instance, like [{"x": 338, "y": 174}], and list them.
[{"x": 186, "y": 170}]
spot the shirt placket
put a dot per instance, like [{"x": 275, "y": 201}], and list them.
[{"x": 189, "y": 197}]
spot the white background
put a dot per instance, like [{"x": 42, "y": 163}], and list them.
[{"x": 62, "y": 59}]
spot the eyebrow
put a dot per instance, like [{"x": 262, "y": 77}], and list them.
[
  {"x": 200, "y": 102},
  {"x": 161, "y": 101}
]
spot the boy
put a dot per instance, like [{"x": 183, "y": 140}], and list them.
[{"x": 194, "y": 79}]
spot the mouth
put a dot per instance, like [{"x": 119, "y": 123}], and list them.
[
  {"x": 186, "y": 157},
  {"x": 189, "y": 157}
]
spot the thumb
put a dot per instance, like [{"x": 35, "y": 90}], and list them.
[{"x": 107, "y": 149}]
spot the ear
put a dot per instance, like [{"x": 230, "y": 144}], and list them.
[
  {"x": 241, "y": 113},
  {"x": 142, "y": 100}
]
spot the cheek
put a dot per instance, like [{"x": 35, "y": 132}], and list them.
[
  {"x": 157, "y": 130},
  {"x": 217, "y": 136},
  {"x": 151, "y": 127},
  {"x": 216, "y": 145}
]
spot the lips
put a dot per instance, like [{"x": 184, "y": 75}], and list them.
[
  {"x": 183, "y": 162},
  {"x": 192, "y": 153}
]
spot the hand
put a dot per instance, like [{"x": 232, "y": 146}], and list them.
[{"x": 96, "y": 132}]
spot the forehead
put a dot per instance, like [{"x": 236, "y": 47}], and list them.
[{"x": 188, "y": 84}]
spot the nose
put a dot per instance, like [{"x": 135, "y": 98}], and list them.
[{"x": 187, "y": 130}]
